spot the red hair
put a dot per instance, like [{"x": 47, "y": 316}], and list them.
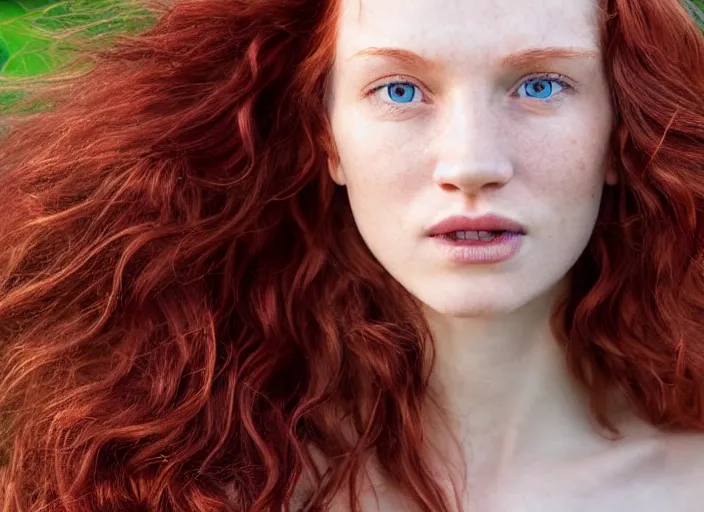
[{"x": 186, "y": 305}]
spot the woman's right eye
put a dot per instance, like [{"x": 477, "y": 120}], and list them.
[{"x": 398, "y": 93}]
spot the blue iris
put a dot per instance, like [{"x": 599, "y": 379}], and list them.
[
  {"x": 401, "y": 92},
  {"x": 540, "y": 88}
]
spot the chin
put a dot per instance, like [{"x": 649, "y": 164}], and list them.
[
  {"x": 471, "y": 304},
  {"x": 474, "y": 293},
  {"x": 491, "y": 301}
]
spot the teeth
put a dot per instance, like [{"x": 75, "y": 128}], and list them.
[{"x": 485, "y": 236}]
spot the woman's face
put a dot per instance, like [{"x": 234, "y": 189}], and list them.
[{"x": 472, "y": 109}]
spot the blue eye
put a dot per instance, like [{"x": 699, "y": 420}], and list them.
[
  {"x": 401, "y": 92},
  {"x": 540, "y": 88}
]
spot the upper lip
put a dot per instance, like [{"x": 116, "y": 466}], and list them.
[{"x": 488, "y": 222}]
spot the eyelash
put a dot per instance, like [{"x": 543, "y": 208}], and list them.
[{"x": 552, "y": 77}]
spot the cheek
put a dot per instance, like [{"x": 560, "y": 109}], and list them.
[
  {"x": 567, "y": 168},
  {"x": 561, "y": 177},
  {"x": 381, "y": 164}
]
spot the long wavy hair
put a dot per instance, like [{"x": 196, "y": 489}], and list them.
[{"x": 188, "y": 313}]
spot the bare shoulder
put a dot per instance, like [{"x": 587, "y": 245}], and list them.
[
  {"x": 663, "y": 470},
  {"x": 684, "y": 452},
  {"x": 681, "y": 473}
]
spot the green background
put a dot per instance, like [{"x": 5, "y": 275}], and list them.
[{"x": 36, "y": 35}]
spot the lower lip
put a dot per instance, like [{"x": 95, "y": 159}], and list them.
[{"x": 501, "y": 248}]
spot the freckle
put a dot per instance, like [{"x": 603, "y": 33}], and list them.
[{"x": 537, "y": 106}]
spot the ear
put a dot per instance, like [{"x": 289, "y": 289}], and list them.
[
  {"x": 611, "y": 177},
  {"x": 336, "y": 172}
]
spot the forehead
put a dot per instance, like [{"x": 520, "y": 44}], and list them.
[{"x": 486, "y": 28}]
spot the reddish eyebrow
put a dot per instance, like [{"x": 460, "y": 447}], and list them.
[
  {"x": 399, "y": 54},
  {"x": 540, "y": 55},
  {"x": 519, "y": 59}
]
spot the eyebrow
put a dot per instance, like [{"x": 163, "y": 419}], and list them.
[
  {"x": 539, "y": 55},
  {"x": 523, "y": 58}
]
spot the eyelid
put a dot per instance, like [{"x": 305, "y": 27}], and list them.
[{"x": 563, "y": 80}]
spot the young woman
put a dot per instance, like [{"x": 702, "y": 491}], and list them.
[{"x": 362, "y": 255}]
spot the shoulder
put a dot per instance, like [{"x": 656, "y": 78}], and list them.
[
  {"x": 680, "y": 473},
  {"x": 682, "y": 452},
  {"x": 662, "y": 470}
]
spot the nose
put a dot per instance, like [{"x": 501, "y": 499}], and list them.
[{"x": 471, "y": 150}]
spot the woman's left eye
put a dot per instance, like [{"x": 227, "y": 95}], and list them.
[{"x": 541, "y": 88}]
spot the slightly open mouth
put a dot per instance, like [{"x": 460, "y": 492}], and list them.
[{"x": 473, "y": 236}]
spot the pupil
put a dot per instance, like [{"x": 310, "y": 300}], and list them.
[
  {"x": 401, "y": 92},
  {"x": 540, "y": 88}
]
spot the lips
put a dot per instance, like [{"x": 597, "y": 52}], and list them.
[{"x": 484, "y": 228}]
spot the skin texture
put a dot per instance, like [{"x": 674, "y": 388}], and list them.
[{"x": 470, "y": 142}]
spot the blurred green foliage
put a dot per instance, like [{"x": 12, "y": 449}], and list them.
[
  {"x": 696, "y": 8},
  {"x": 37, "y": 36}
]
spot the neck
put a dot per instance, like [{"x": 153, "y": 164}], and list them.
[{"x": 505, "y": 393}]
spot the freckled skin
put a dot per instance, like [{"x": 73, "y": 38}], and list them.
[
  {"x": 470, "y": 144},
  {"x": 470, "y": 141}
]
